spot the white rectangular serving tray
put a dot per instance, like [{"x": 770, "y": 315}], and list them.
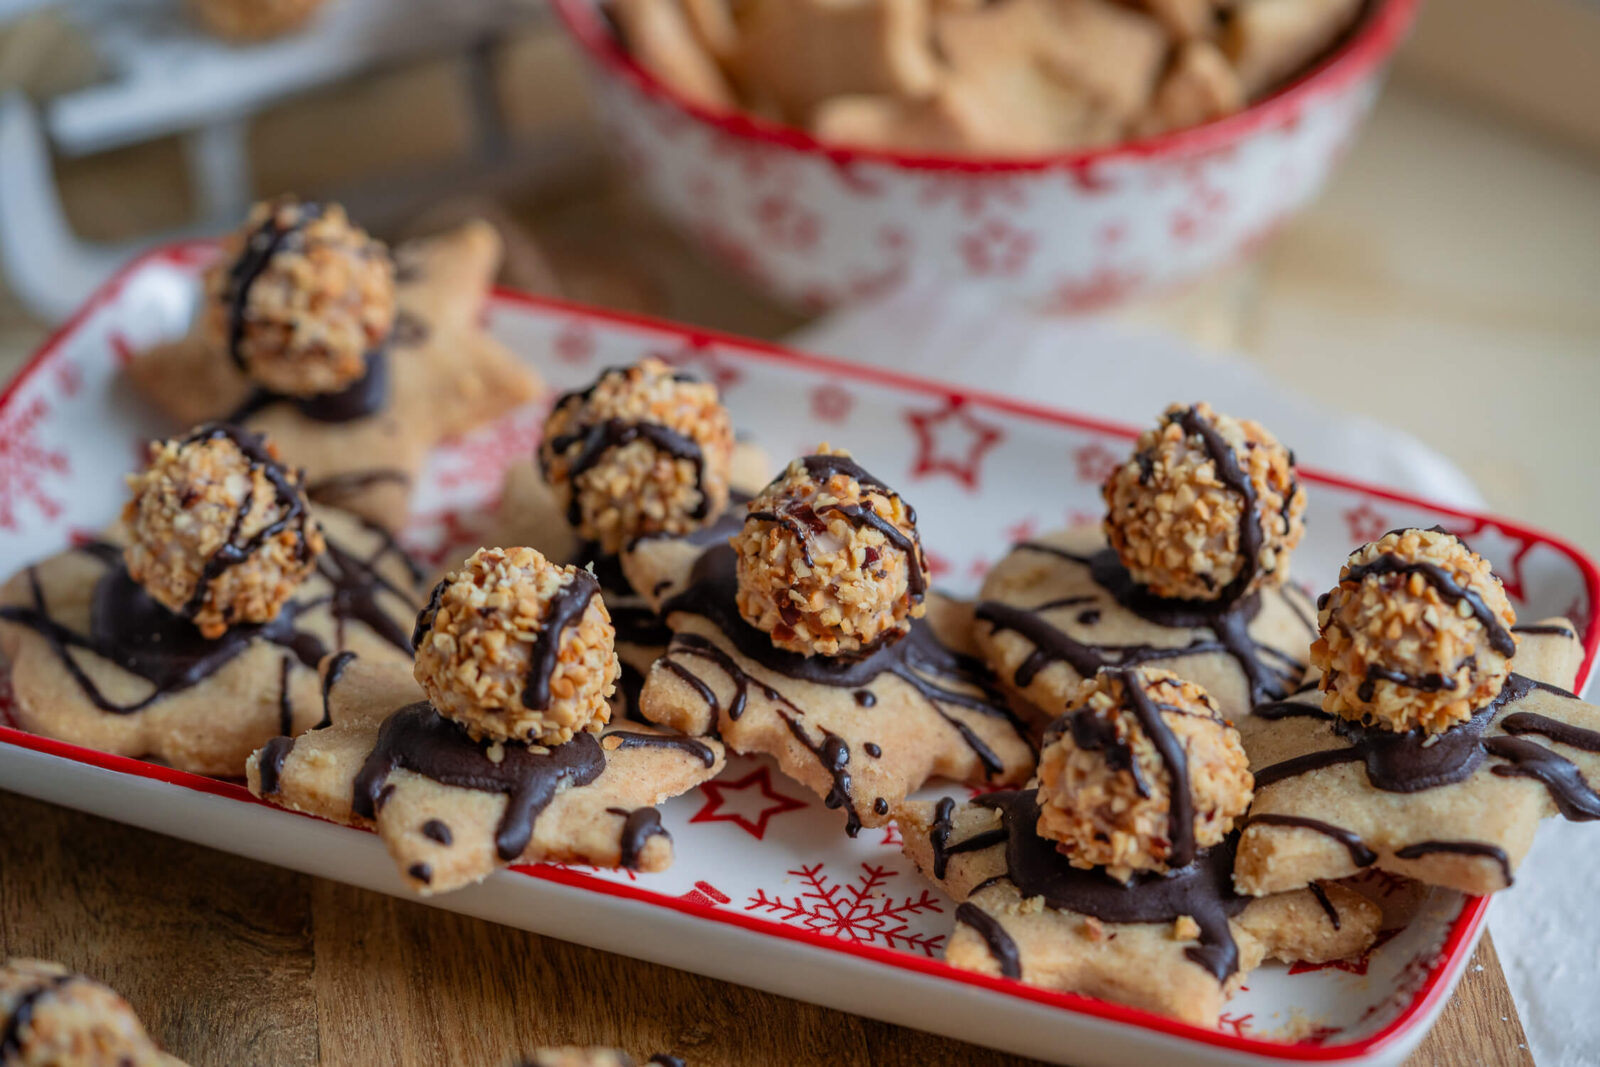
[{"x": 767, "y": 891}]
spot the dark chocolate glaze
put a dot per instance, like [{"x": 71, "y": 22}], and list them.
[
  {"x": 285, "y": 705},
  {"x": 421, "y": 872},
  {"x": 1327, "y": 905},
  {"x": 1001, "y": 945},
  {"x": 22, "y": 1015},
  {"x": 264, "y": 242},
  {"x": 1544, "y": 629},
  {"x": 872, "y": 749},
  {"x": 1202, "y": 890},
  {"x": 270, "y": 763},
  {"x": 661, "y": 1059},
  {"x": 603, "y": 437},
  {"x": 1459, "y": 848},
  {"x": 866, "y": 698},
  {"x": 1271, "y": 673},
  {"x": 939, "y": 837},
  {"x": 1289, "y": 709},
  {"x": 1573, "y": 796},
  {"x": 419, "y": 739},
  {"x": 435, "y": 830},
  {"x": 639, "y": 826},
  {"x": 1360, "y": 854},
  {"x": 330, "y": 678},
  {"x": 698, "y": 749},
  {"x": 833, "y": 752},
  {"x": 1527, "y": 722}
]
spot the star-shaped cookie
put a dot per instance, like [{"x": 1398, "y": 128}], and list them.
[
  {"x": 450, "y": 810},
  {"x": 529, "y": 514},
  {"x": 1459, "y": 809},
  {"x": 1177, "y": 944},
  {"x": 1057, "y": 609},
  {"x": 97, "y": 662},
  {"x": 446, "y": 375},
  {"x": 861, "y": 735}
]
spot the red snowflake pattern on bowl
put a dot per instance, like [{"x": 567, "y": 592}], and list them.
[
  {"x": 997, "y": 249},
  {"x": 26, "y": 466}
]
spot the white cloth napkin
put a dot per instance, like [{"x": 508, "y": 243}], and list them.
[{"x": 1551, "y": 956}]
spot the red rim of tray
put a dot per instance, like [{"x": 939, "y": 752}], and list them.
[
  {"x": 1431, "y": 991},
  {"x": 1366, "y": 46}
]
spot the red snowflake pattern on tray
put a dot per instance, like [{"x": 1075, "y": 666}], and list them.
[
  {"x": 860, "y": 911},
  {"x": 973, "y": 196},
  {"x": 997, "y": 249},
  {"x": 758, "y": 785},
  {"x": 482, "y": 457},
  {"x": 786, "y": 223},
  {"x": 68, "y": 378},
  {"x": 963, "y": 458},
  {"x": 1357, "y": 966},
  {"x": 831, "y": 403},
  {"x": 1365, "y": 523},
  {"x": 26, "y": 465},
  {"x": 1094, "y": 463},
  {"x": 574, "y": 343},
  {"x": 1237, "y": 1023}
]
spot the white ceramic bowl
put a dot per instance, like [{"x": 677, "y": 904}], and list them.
[{"x": 817, "y": 225}]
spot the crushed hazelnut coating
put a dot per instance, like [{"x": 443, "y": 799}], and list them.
[
  {"x": 300, "y": 297},
  {"x": 71, "y": 1021},
  {"x": 829, "y": 561},
  {"x": 644, "y": 450},
  {"x": 1105, "y": 793},
  {"x": 486, "y": 660},
  {"x": 1180, "y": 516},
  {"x": 1416, "y": 634},
  {"x": 218, "y": 530}
]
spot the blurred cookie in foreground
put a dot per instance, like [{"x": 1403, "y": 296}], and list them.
[
  {"x": 576, "y": 1056},
  {"x": 357, "y": 363},
  {"x": 50, "y": 1017}
]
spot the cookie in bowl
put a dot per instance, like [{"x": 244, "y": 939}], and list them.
[
  {"x": 191, "y": 631},
  {"x": 1438, "y": 734},
  {"x": 492, "y": 747},
  {"x": 357, "y": 363},
  {"x": 812, "y": 636},
  {"x": 1112, "y": 875},
  {"x": 1188, "y": 572}
]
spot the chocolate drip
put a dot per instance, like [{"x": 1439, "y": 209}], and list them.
[
  {"x": 421, "y": 872},
  {"x": 639, "y": 826},
  {"x": 435, "y": 830},
  {"x": 601, "y": 438},
  {"x": 356, "y": 584},
  {"x": 1289, "y": 709},
  {"x": 1180, "y": 816},
  {"x": 919, "y": 659},
  {"x": 661, "y": 1059},
  {"x": 418, "y": 739},
  {"x": 22, "y": 1015},
  {"x": 866, "y": 698},
  {"x": 805, "y": 522},
  {"x": 1432, "y": 682},
  {"x": 872, "y": 750},
  {"x": 939, "y": 837},
  {"x": 1327, "y": 905},
  {"x": 1459, "y": 848},
  {"x": 1527, "y": 722},
  {"x": 338, "y": 487},
  {"x": 1228, "y": 622},
  {"x": 266, "y": 241},
  {"x": 1203, "y": 889},
  {"x": 565, "y": 609},
  {"x": 1360, "y": 854},
  {"x": 270, "y": 764},
  {"x": 1544, "y": 629},
  {"x": 1001, "y": 946},
  {"x": 833, "y": 752},
  {"x": 330, "y": 678},
  {"x": 698, "y": 749},
  {"x": 285, "y": 705},
  {"x": 1573, "y": 796},
  {"x": 289, "y": 501},
  {"x": 1446, "y": 586}
]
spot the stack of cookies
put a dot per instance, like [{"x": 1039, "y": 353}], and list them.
[{"x": 973, "y": 78}]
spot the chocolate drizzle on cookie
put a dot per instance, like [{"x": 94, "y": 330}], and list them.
[
  {"x": 1443, "y": 583},
  {"x": 626, "y": 739},
  {"x": 1271, "y": 673},
  {"x": 939, "y": 837},
  {"x": 361, "y": 398},
  {"x": 418, "y": 739},
  {"x": 638, "y": 827},
  {"x": 1001, "y": 945},
  {"x": 1203, "y": 889},
  {"x": 1360, "y": 854},
  {"x": 131, "y": 629},
  {"x": 1481, "y": 849}
]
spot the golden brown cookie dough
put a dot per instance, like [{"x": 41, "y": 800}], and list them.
[
  {"x": 450, "y": 810},
  {"x": 1055, "y": 610},
  {"x": 50, "y": 1017},
  {"x": 438, "y": 373},
  {"x": 1179, "y": 945},
  {"x": 860, "y": 733},
  {"x": 1457, "y": 809},
  {"x": 96, "y": 662}
]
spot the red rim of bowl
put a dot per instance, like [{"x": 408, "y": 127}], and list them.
[
  {"x": 1368, "y": 45},
  {"x": 1432, "y": 988}
]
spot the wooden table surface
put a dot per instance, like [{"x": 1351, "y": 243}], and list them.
[{"x": 233, "y": 962}]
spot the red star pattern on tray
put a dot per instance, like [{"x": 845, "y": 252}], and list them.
[
  {"x": 1237, "y": 1023},
  {"x": 751, "y": 811},
  {"x": 1094, "y": 463},
  {"x": 26, "y": 465},
  {"x": 1365, "y": 523},
  {"x": 483, "y": 456},
  {"x": 698, "y": 354},
  {"x": 938, "y": 566},
  {"x": 953, "y": 441},
  {"x": 831, "y": 403},
  {"x": 575, "y": 343},
  {"x": 997, "y": 249},
  {"x": 1357, "y": 966},
  {"x": 860, "y": 911},
  {"x": 786, "y": 223}
]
